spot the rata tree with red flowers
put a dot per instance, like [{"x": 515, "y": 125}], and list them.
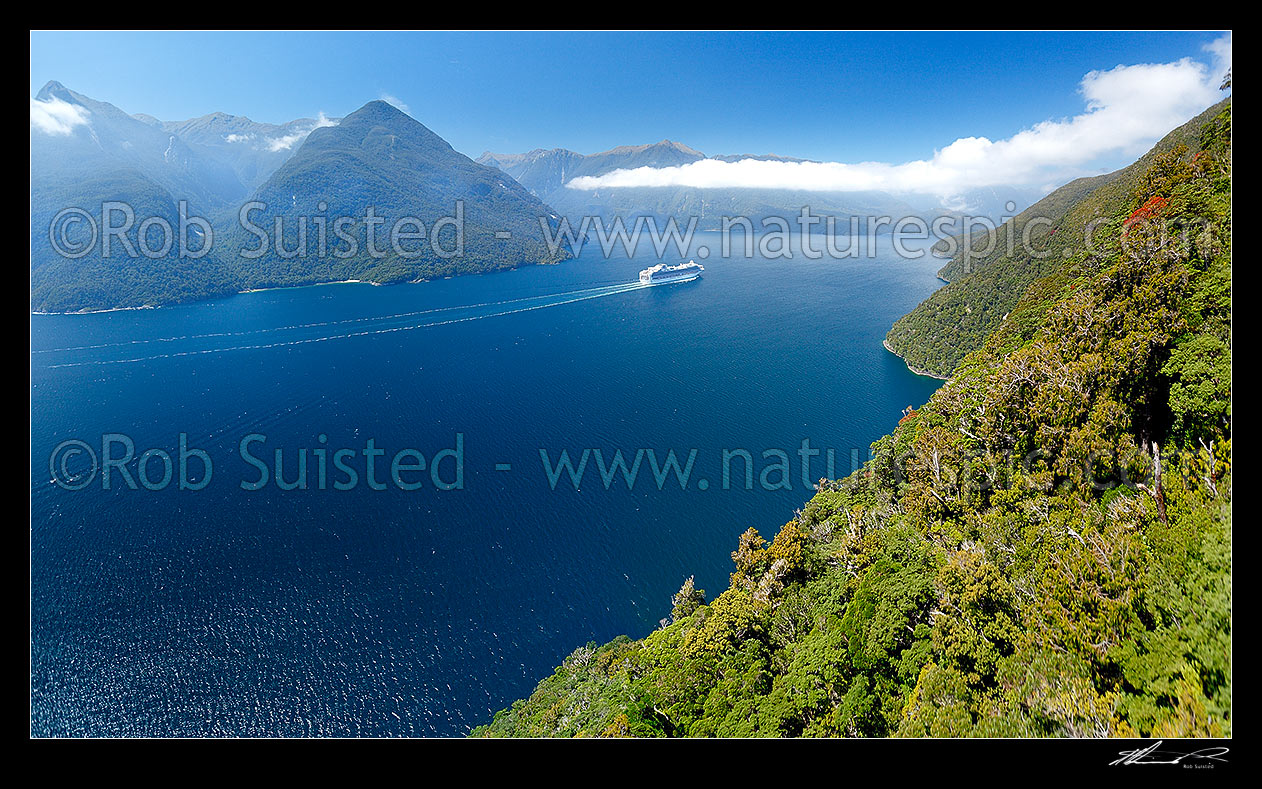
[{"x": 1152, "y": 209}]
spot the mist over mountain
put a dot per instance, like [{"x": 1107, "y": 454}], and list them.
[
  {"x": 547, "y": 173},
  {"x": 73, "y": 136},
  {"x": 253, "y": 150},
  {"x": 848, "y": 478},
  {"x": 86, "y": 153},
  {"x": 544, "y": 172},
  {"x": 215, "y": 161}
]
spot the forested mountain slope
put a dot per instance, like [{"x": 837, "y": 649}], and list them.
[
  {"x": 1044, "y": 549},
  {"x": 62, "y": 283},
  {"x": 954, "y": 321},
  {"x": 380, "y": 159}
]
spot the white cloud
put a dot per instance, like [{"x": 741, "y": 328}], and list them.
[
  {"x": 57, "y": 117},
  {"x": 1221, "y": 50},
  {"x": 275, "y": 144},
  {"x": 238, "y": 137},
  {"x": 1128, "y": 108},
  {"x": 396, "y": 101},
  {"x": 288, "y": 141}
]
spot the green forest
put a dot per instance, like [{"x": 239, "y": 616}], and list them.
[{"x": 1043, "y": 549}]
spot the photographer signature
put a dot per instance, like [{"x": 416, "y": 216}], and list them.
[{"x": 1151, "y": 755}]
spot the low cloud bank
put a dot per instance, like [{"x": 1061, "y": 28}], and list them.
[
  {"x": 288, "y": 141},
  {"x": 1127, "y": 109},
  {"x": 56, "y": 117}
]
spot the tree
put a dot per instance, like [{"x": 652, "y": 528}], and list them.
[{"x": 688, "y": 599}]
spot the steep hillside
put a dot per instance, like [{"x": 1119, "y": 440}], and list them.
[
  {"x": 87, "y": 153},
  {"x": 1044, "y": 549},
  {"x": 253, "y": 150},
  {"x": 983, "y": 290},
  {"x": 379, "y": 158},
  {"x": 94, "y": 281},
  {"x": 98, "y": 138}
]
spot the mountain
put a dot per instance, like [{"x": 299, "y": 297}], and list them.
[
  {"x": 79, "y": 136},
  {"x": 85, "y": 153},
  {"x": 761, "y": 157},
  {"x": 546, "y": 172},
  {"x": 96, "y": 281},
  {"x": 985, "y": 288},
  {"x": 253, "y": 150},
  {"x": 998, "y": 203},
  {"x": 381, "y": 159},
  {"x": 1044, "y": 549},
  {"x": 215, "y": 161}
]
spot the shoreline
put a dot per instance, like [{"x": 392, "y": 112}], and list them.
[
  {"x": 97, "y": 312},
  {"x": 230, "y": 294},
  {"x": 916, "y": 370},
  {"x": 321, "y": 284},
  {"x": 227, "y": 295}
]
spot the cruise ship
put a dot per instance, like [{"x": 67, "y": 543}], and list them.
[{"x": 662, "y": 273}]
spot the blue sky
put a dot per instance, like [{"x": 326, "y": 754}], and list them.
[{"x": 845, "y": 97}]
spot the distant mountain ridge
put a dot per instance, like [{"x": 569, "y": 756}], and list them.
[
  {"x": 546, "y": 174},
  {"x": 546, "y": 171},
  {"x": 254, "y": 150},
  {"x": 107, "y": 139}
]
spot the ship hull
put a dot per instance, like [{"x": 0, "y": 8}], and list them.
[{"x": 672, "y": 280}]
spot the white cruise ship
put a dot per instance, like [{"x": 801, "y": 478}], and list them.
[{"x": 662, "y": 273}]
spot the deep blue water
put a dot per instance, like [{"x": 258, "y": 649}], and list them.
[{"x": 392, "y": 612}]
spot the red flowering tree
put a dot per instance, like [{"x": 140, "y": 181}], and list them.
[{"x": 1145, "y": 212}]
